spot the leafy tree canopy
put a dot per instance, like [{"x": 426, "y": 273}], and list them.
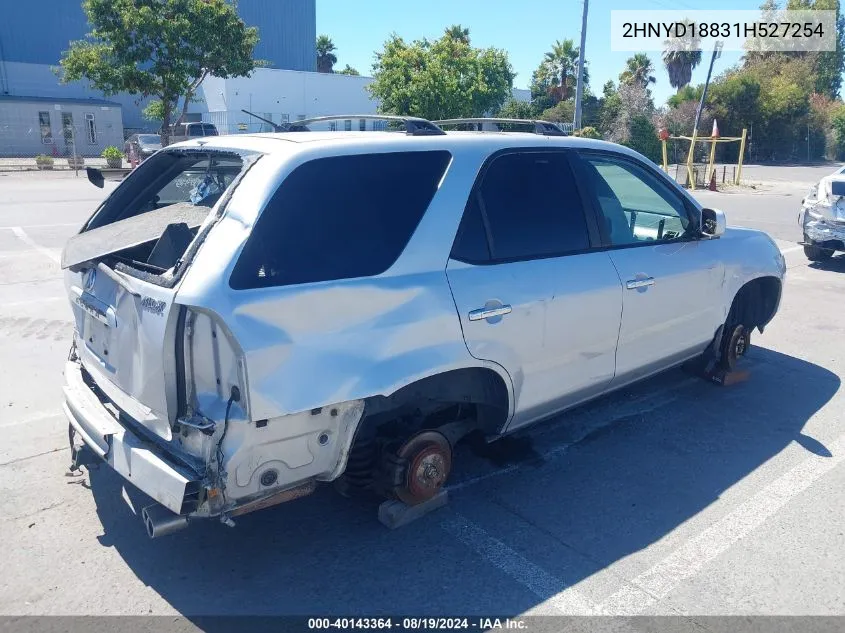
[
  {"x": 159, "y": 48},
  {"x": 174, "y": 42},
  {"x": 440, "y": 79}
]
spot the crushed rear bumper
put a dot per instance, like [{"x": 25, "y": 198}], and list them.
[{"x": 172, "y": 485}]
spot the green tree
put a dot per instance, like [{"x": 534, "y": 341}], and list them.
[
  {"x": 440, "y": 79},
  {"x": 680, "y": 57},
  {"x": 838, "y": 126},
  {"x": 348, "y": 70},
  {"x": 154, "y": 111},
  {"x": 159, "y": 48},
  {"x": 831, "y": 64},
  {"x": 642, "y": 137},
  {"x": 326, "y": 59},
  {"x": 561, "y": 64},
  {"x": 687, "y": 93},
  {"x": 638, "y": 70},
  {"x": 514, "y": 109},
  {"x": 458, "y": 33}
]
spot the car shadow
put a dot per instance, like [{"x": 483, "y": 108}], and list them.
[
  {"x": 835, "y": 264},
  {"x": 639, "y": 464}
]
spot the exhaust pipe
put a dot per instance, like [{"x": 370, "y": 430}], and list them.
[{"x": 160, "y": 521}]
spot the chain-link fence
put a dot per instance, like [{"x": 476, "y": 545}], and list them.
[{"x": 47, "y": 136}]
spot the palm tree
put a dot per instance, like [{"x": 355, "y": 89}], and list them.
[
  {"x": 458, "y": 33},
  {"x": 680, "y": 56},
  {"x": 562, "y": 62},
  {"x": 326, "y": 58},
  {"x": 638, "y": 70}
]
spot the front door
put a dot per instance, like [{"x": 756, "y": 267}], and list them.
[
  {"x": 671, "y": 279},
  {"x": 531, "y": 295}
]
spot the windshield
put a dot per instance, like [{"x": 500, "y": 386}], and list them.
[{"x": 149, "y": 139}]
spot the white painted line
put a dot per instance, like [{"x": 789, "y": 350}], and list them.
[
  {"x": 784, "y": 251},
  {"x": 540, "y": 582},
  {"x": 26, "y": 239},
  {"x": 689, "y": 559},
  {"x": 33, "y": 419},
  {"x": 41, "y": 226},
  {"x": 15, "y": 304}
]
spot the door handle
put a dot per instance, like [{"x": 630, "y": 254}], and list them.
[
  {"x": 633, "y": 284},
  {"x": 486, "y": 313}
]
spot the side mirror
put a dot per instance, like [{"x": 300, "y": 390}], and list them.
[
  {"x": 95, "y": 176},
  {"x": 713, "y": 223}
]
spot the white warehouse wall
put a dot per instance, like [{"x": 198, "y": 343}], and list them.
[{"x": 276, "y": 94}]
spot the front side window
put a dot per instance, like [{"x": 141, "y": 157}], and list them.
[
  {"x": 340, "y": 218},
  {"x": 529, "y": 206},
  {"x": 636, "y": 206}
]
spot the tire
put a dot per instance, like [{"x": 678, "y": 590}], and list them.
[{"x": 817, "y": 253}]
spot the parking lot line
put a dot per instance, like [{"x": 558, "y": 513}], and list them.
[
  {"x": 686, "y": 561},
  {"x": 26, "y": 239},
  {"x": 537, "y": 580},
  {"x": 40, "y": 226}
]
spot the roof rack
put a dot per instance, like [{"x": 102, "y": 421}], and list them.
[
  {"x": 546, "y": 128},
  {"x": 414, "y": 126}
]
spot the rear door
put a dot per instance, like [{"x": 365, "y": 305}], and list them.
[
  {"x": 119, "y": 272},
  {"x": 531, "y": 293},
  {"x": 672, "y": 280}
]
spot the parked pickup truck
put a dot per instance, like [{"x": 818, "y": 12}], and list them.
[{"x": 259, "y": 314}]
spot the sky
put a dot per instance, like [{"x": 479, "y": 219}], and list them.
[{"x": 525, "y": 30}]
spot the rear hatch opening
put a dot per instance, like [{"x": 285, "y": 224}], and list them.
[
  {"x": 122, "y": 271},
  {"x": 146, "y": 226}
]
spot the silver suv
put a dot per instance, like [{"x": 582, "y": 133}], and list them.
[{"x": 256, "y": 314}]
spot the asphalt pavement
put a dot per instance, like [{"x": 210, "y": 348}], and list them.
[{"x": 673, "y": 497}]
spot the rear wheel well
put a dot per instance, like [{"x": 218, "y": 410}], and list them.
[
  {"x": 476, "y": 391},
  {"x": 755, "y": 303},
  {"x": 454, "y": 404}
]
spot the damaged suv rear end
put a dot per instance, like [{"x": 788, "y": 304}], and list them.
[
  {"x": 200, "y": 339},
  {"x": 155, "y": 386}
]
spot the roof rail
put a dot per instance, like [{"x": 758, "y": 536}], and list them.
[
  {"x": 547, "y": 128},
  {"x": 414, "y": 126}
]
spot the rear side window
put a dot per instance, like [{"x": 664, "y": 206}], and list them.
[
  {"x": 339, "y": 218},
  {"x": 195, "y": 130}
]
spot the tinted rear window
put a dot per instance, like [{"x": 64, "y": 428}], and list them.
[{"x": 340, "y": 218}]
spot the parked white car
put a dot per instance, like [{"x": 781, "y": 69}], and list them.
[
  {"x": 256, "y": 314},
  {"x": 822, "y": 218}
]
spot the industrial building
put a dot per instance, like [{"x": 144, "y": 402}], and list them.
[{"x": 32, "y": 42}]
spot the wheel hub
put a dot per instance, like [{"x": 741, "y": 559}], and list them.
[{"x": 429, "y": 461}]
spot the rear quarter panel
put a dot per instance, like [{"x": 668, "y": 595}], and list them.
[{"x": 316, "y": 344}]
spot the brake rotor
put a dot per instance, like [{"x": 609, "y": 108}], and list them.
[
  {"x": 429, "y": 458},
  {"x": 736, "y": 347}
]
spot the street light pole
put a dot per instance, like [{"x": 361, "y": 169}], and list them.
[{"x": 579, "y": 88}]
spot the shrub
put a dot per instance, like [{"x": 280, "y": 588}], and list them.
[
  {"x": 43, "y": 159},
  {"x": 643, "y": 138},
  {"x": 112, "y": 152},
  {"x": 587, "y": 132}
]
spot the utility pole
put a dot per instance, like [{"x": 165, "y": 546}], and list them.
[
  {"x": 717, "y": 52},
  {"x": 579, "y": 88}
]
